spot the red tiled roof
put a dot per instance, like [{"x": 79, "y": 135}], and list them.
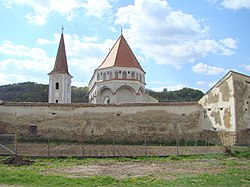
[
  {"x": 61, "y": 65},
  {"x": 120, "y": 56}
]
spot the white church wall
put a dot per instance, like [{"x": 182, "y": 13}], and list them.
[{"x": 62, "y": 94}]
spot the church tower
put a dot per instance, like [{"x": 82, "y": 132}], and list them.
[
  {"x": 120, "y": 78},
  {"x": 59, "y": 77}
]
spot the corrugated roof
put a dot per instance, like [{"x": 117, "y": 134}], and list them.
[
  {"x": 61, "y": 65},
  {"x": 120, "y": 55}
]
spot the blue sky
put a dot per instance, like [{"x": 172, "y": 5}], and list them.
[{"x": 178, "y": 43}]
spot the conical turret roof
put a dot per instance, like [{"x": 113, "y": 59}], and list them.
[
  {"x": 61, "y": 65},
  {"x": 120, "y": 55}
]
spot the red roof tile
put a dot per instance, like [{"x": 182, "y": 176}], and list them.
[
  {"x": 61, "y": 65},
  {"x": 120, "y": 56}
]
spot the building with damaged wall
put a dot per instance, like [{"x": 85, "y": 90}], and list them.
[
  {"x": 125, "y": 123},
  {"x": 223, "y": 113},
  {"x": 226, "y": 107}
]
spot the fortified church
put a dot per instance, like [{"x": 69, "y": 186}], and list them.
[
  {"x": 120, "y": 109},
  {"x": 119, "y": 79}
]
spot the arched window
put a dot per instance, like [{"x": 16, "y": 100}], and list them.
[
  {"x": 116, "y": 74},
  {"x": 136, "y": 76},
  {"x": 124, "y": 74},
  {"x": 106, "y": 100},
  {"x": 110, "y": 75},
  {"x": 56, "y": 101},
  {"x": 98, "y": 77},
  {"x": 104, "y": 76},
  {"x": 132, "y": 75},
  {"x": 57, "y": 85},
  {"x": 140, "y": 77}
]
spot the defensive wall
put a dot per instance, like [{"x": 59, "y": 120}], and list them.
[{"x": 125, "y": 123}]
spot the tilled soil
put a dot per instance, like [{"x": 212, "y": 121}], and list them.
[
  {"x": 17, "y": 161},
  {"x": 166, "y": 170}
]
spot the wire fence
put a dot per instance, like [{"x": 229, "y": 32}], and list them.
[{"x": 50, "y": 148}]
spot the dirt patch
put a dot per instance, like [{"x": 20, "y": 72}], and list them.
[
  {"x": 121, "y": 170},
  {"x": 17, "y": 161}
]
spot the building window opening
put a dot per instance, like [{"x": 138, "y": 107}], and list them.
[
  {"x": 116, "y": 74},
  {"x": 57, "y": 85},
  {"x": 106, "y": 100},
  {"x": 98, "y": 77},
  {"x": 57, "y": 101},
  {"x": 110, "y": 75},
  {"x": 33, "y": 130},
  {"x": 133, "y": 75},
  {"x": 104, "y": 76},
  {"x": 124, "y": 74}
]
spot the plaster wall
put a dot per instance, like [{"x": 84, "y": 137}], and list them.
[
  {"x": 242, "y": 97},
  {"x": 124, "y": 123},
  {"x": 219, "y": 106},
  {"x": 242, "y": 107}
]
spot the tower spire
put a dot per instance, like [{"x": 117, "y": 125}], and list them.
[
  {"x": 61, "y": 65},
  {"x": 59, "y": 77}
]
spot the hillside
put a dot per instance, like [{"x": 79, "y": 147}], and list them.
[
  {"x": 34, "y": 92},
  {"x": 182, "y": 95}
]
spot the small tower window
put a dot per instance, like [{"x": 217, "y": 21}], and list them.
[
  {"x": 106, "y": 100},
  {"x": 57, "y": 101},
  {"x": 124, "y": 74},
  {"x": 140, "y": 77},
  {"x": 116, "y": 74},
  {"x": 98, "y": 77},
  {"x": 132, "y": 75},
  {"x": 57, "y": 85},
  {"x": 104, "y": 76},
  {"x": 110, "y": 75}
]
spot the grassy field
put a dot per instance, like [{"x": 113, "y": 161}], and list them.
[{"x": 201, "y": 170}]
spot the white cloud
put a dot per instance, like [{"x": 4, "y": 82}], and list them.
[
  {"x": 200, "y": 82},
  {"x": 206, "y": 69},
  {"x": 42, "y": 9},
  {"x": 97, "y": 8},
  {"x": 42, "y": 41},
  {"x": 232, "y": 4},
  {"x": 23, "y": 57},
  {"x": 169, "y": 36},
  {"x": 245, "y": 66},
  {"x": 9, "y": 48},
  {"x": 40, "y": 16}
]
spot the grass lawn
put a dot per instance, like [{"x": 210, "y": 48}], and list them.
[{"x": 201, "y": 170}]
